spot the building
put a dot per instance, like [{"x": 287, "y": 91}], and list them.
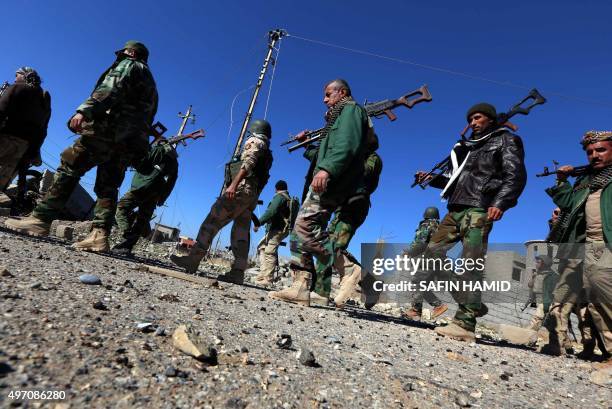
[{"x": 163, "y": 233}]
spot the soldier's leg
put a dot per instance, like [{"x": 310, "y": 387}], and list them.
[
  {"x": 241, "y": 239},
  {"x": 125, "y": 215},
  {"x": 565, "y": 298},
  {"x": 142, "y": 225},
  {"x": 475, "y": 229},
  {"x": 598, "y": 286},
  {"x": 76, "y": 160},
  {"x": 269, "y": 260},
  {"x": 309, "y": 237},
  {"x": 12, "y": 150},
  {"x": 537, "y": 318}
]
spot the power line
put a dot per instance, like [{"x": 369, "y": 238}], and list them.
[{"x": 605, "y": 104}]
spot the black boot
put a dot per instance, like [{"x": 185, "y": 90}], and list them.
[{"x": 124, "y": 248}]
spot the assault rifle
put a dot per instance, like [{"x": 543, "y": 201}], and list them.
[
  {"x": 158, "y": 129},
  {"x": 3, "y": 87},
  {"x": 443, "y": 166},
  {"x": 374, "y": 109},
  {"x": 577, "y": 171}
]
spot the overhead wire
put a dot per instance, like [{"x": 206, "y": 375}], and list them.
[
  {"x": 272, "y": 77},
  {"x": 591, "y": 101}
]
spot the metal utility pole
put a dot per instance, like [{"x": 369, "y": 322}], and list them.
[
  {"x": 185, "y": 117},
  {"x": 274, "y": 37}
]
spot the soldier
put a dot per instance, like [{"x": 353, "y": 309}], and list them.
[
  {"x": 25, "y": 109},
  {"x": 487, "y": 177},
  {"x": 427, "y": 227},
  {"x": 347, "y": 219},
  {"x": 588, "y": 220},
  {"x": 542, "y": 284},
  {"x": 114, "y": 124},
  {"x": 337, "y": 174},
  {"x": 237, "y": 202},
  {"x": 151, "y": 186},
  {"x": 277, "y": 220}
]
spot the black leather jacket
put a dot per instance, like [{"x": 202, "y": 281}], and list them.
[{"x": 494, "y": 174}]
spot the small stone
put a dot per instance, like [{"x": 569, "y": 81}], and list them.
[
  {"x": 284, "y": 341},
  {"x": 186, "y": 340},
  {"x": 99, "y": 305},
  {"x": 168, "y": 297},
  {"x": 5, "y": 369},
  {"x": 160, "y": 332},
  {"x": 235, "y": 403},
  {"x": 36, "y": 286},
  {"x": 505, "y": 376},
  {"x": 170, "y": 372},
  {"x": 477, "y": 394},
  {"x": 90, "y": 279},
  {"x": 306, "y": 357},
  {"x": 146, "y": 327},
  {"x": 462, "y": 400},
  {"x": 244, "y": 350},
  {"x": 5, "y": 273}
]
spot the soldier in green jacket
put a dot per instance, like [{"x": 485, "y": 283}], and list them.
[
  {"x": 542, "y": 285},
  {"x": 427, "y": 227},
  {"x": 277, "y": 228},
  {"x": 586, "y": 224},
  {"x": 114, "y": 124},
  {"x": 337, "y": 174},
  {"x": 151, "y": 186},
  {"x": 348, "y": 217}
]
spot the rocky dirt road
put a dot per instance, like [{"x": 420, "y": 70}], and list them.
[{"x": 110, "y": 345}]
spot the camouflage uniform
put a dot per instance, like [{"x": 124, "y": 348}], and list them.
[
  {"x": 424, "y": 232},
  {"x": 151, "y": 185},
  {"x": 238, "y": 209},
  {"x": 276, "y": 231},
  {"x": 347, "y": 219},
  {"x": 118, "y": 117},
  {"x": 346, "y": 140}
]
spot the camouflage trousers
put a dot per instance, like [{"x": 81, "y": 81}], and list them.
[
  {"x": 347, "y": 219},
  {"x": 222, "y": 212},
  {"x": 136, "y": 223},
  {"x": 12, "y": 150},
  {"x": 310, "y": 237},
  {"x": 472, "y": 227},
  {"x": 597, "y": 279},
  {"x": 267, "y": 249},
  {"x": 87, "y": 152}
]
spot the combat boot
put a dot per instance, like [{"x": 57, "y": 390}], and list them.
[
  {"x": 298, "y": 293},
  {"x": 484, "y": 310},
  {"x": 552, "y": 348},
  {"x": 347, "y": 288},
  {"x": 454, "y": 331},
  {"x": 126, "y": 246},
  {"x": 234, "y": 276},
  {"x": 190, "y": 262},
  {"x": 97, "y": 241},
  {"x": 29, "y": 225},
  {"x": 319, "y": 299},
  {"x": 439, "y": 310},
  {"x": 412, "y": 314},
  {"x": 588, "y": 351}
]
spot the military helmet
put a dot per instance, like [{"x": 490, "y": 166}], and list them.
[
  {"x": 140, "y": 48},
  {"x": 261, "y": 126},
  {"x": 546, "y": 260},
  {"x": 30, "y": 75},
  {"x": 431, "y": 213}
]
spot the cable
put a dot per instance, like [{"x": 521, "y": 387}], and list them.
[
  {"x": 606, "y": 104},
  {"x": 272, "y": 78},
  {"x": 229, "y": 132}
]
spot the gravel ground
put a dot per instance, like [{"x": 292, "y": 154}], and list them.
[{"x": 58, "y": 333}]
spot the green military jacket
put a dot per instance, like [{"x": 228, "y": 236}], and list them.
[
  {"x": 277, "y": 210},
  {"x": 158, "y": 171},
  {"x": 572, "y": 200},
  {"x": 422, "y": 237},
  {"x": 124, "y": 99},
  {"x": 342, "y": 154}
]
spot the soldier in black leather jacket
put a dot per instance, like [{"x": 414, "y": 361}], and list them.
[{"x": 486, "y": 178}]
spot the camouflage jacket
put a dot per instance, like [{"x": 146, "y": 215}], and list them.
[
  {"x": 256, "y": 149},
  {"x": 422, "y": 236},
  {"x": 124, "y": 98}
]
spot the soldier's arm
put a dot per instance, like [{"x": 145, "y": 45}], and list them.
[
  {"x": 109, "y": 91},
  {"x": 419, "y": 243},
  {"x": 347, "y": 141},
  {"x": 253, "y": 151},
  {"x": 311, "y": 152},
  {"x": 5, "y": 102},
  {"x": 514, "y": 174},
  {"x": 272, "y": 209},
  {"x": 562, "y": 195}
]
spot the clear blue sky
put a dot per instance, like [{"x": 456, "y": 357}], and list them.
[{"x": 204, "y": 53}]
